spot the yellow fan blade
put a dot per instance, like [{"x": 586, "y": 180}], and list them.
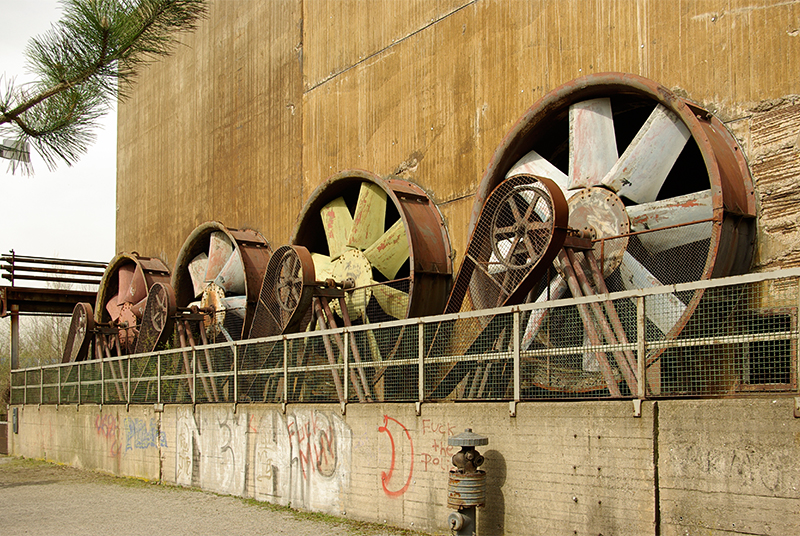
[
  {"x": 369, "y": 217},
  {"x": 393, "y": 302},
  {"x": 336, "y": 222},
  {"x": 390, "y": 251}
]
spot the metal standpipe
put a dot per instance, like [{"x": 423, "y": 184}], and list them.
[{"x": 466, "y": 489}]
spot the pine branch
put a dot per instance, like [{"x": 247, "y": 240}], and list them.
[{"x": 83, "y": 63}]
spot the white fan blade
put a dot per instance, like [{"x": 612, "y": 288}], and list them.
[
  {"x": 236, "y": 305},
  {"x": 336, "y": 223},
  {"x": 369, "y": 217},
  {"x": 231, "y": 278},
  {"x": 663, "y": 310},
  {"x": 683, "y": 209},
  {"x": 557, "y": 288},
  {"x": 323, "y": 267},
  {"x": 643, "y": 167},
  {"x": 219, "y": 251},
  {"x": 393, "y": 302},
  {"x": 533, "y": 164},
  {"x": 592, "y": 143},
  {"x": 390, "y": 251},
  {"x": 197, "y": 271}
]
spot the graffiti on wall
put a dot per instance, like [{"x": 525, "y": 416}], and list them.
[
  {"x": 435, "y": 454},
  {"x": 107, "y": 428},
  {"x": 388, "y": 478},
  {"x": 141, "y": 434},
  {"x": 302, "y": 458}
]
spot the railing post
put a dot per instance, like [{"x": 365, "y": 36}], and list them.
[
  {"x": 516, "y": 349},
  {"x": 102, "y": 379},
  {"x": 420, "y": 365},
  {"x": 285, "y": 372},
  {"x": 235, "y": 375},
  {"x": 158, "y": 378},
  {"x": 79, "y": 384},
  {"x": 641, "y": 348},
  {"x": 194, "y": 376},
  {"x": 346, "y": 372},
  {"x": 58, "y": 390},
  {"x": 41, "y": 385},
  {"x": 129, "y": 381}
]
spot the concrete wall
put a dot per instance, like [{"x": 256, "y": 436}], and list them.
[
  {"x": 684, "y": 467},
  {"x": 268, "y": 99}
]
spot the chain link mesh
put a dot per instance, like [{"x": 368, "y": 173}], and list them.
[{"x": 724, "y": 340}]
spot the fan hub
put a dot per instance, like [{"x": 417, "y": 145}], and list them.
[
  {"x": 213, "y": 297},
  {"x": 599, "y": 213},
  {"x": 353, "y": 266}
]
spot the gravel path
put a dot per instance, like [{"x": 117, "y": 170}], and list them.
[{"x": 46, "y": 499}]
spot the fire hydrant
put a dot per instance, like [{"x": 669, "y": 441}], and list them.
[{"x": 466, "y": 489}]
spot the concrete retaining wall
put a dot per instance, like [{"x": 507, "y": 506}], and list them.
[{"x": 723, "y": 466}]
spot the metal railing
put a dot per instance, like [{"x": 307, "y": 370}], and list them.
[{"x": 736, "y": 336}]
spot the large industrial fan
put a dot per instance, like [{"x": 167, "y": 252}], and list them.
[
  {"x": 218, "y": 271},
  {"x": 120, "y": 301},
  {"x": 384, "y": 236},
  {"x": 378, "y": 251},
  {"x": 657, "y": 184}
]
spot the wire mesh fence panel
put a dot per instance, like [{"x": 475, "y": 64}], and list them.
[
  {"x": 315, "y": 369},
  {"x": 18, "y": 387},
  {"x": 115, "y": 374},
  {"x": 144, "y": 379},
  {"x": 50, "y": 386},
  {"x": 390, "y": 358},
  {"x": 33, "y": 380},
  {"x": 214, "y": 374},
  {"x": 728, "y": 347},
  {"x": 91, "y": 384},
  {"x": 260, "y": 371},
  {"x": 176, "y": 376},
  {"x": 69, "y": 384}
]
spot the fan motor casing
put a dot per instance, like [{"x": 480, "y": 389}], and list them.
[
  {"x": 255, "y": 252},
  {"x": 154, "y": 269},
  {"x": 732, "y": 186},
  {"x": 430, "y": 262}
]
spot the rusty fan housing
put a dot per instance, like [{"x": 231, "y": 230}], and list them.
[
  {"x": 425, "y": 276},
  {"x": 252, "y": 251}
]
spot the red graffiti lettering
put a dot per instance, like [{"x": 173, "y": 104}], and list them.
[{"x": 387, "y": 477}]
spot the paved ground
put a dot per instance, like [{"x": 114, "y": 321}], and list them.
[{"x": 46, "y": 499}]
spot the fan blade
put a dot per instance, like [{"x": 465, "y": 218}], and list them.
[
  {"x": 592, "y": 143},
  {"x": 113, "y": 307},
  {"x": 533, "y": 164},
  {"x": 390, "y": 251},
  {"x": 125, "y": 275},
  {"x": 231, "y": 278},
  {"x": 337, "y": 223},
  {"x": 393, "y": 302},
  {"x": 236, "y": 305},
  {"x": 323, "y": 267},
  {"x": 138, "y": 309},
  {"x": 197, "y": 271},
  {"x": 680, "y": 210},
  {"x": 663, "y": 310},
  {"x": 557, "y": 288},
  {"x": 643, "y": 167},
  {"x": 369, "y": 217},
  {"x": 219, "y": 251},
  {"x": 135, "y": 287}
]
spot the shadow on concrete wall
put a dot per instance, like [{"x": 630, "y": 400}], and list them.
[{"x": 492, "y": 517}]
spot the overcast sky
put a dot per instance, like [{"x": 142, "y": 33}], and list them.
[{"x": 68, "y": 213}]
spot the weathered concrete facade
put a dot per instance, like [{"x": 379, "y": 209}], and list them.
[
  {"x": 720, "y": 467},
  {"x": 268, "y": 99}
]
